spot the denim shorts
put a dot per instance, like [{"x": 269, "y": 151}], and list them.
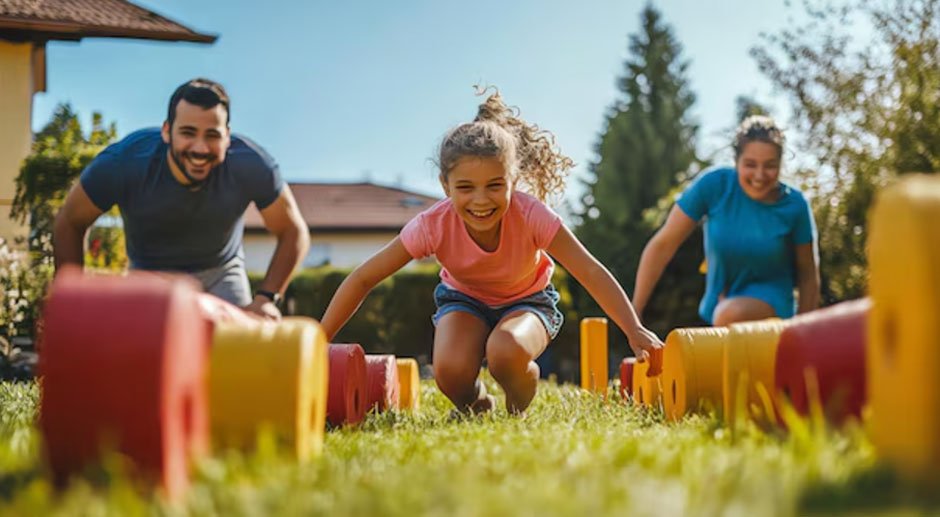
[{"x": 543, "y": 304}]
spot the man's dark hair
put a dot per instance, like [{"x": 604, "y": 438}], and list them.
[{"x": 202, "y": 92}]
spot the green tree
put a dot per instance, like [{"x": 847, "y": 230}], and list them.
[
  {"x": 645, "y": 150},
  {"x": 59, "y": 153},
  {"x": 745, "y": 106},
  {"x": 866, "y": 111}
]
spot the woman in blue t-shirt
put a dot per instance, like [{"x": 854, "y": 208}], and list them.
[{"x": 760, "y": 238}]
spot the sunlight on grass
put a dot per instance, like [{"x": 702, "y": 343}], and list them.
[{"x": 572, "y": 454}]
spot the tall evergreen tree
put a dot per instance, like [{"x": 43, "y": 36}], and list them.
[{"x": 645, "y": 151}]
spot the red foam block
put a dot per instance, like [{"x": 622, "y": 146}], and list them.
[
  {"x": 123, "y": 364},
  {"x": 382, "y": 373},
  {"x": 346, "y": 402},
  {"x": 626, "y": 376},
  {"x": 829, "y": 344}
]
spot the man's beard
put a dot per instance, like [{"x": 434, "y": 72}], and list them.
[{"x": 178, "y": 160}]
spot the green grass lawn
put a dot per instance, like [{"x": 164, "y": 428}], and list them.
[{"x": 573, "y": 454}]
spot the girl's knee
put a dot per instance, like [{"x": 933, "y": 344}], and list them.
[
  {"x": 454, "y": 376},
  {"x": 505, "y": 357}
]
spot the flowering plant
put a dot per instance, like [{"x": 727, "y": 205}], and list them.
[{"x": 24, "y": 278}]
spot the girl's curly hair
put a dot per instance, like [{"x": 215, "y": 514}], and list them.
[{"x": 529, "y": 153}]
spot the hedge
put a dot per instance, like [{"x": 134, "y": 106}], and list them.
[{"x": 396, "y": 316}]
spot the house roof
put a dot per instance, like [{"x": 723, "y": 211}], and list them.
[
  {"x": 350, "y": 207},
  {"x": 77, "y": 19}
]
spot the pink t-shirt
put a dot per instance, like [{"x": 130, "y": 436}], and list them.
[{"x": 517, "y": 268}]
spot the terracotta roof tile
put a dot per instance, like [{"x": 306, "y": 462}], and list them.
[
  {"x": 74, "y": 19},
  {"x": 351, "y": 206}
]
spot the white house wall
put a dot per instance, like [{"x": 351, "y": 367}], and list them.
[{"x": 340, "y": 250}]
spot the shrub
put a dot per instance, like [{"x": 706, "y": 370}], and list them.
[
  {"x": 396, "y": 316},
  {"x": 24, "y": 278}
]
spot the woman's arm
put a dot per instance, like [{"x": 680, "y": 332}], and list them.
[
  {"x": 604, "y": 288},
  {"x": 807, "y": 278},
  {"x": 357, "y": 285},
  {"x": 657, "y": 254}
]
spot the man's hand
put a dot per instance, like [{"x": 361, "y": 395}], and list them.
[
  {"x": 647, "y": 347},
  {"x": 264, "y": 307}
]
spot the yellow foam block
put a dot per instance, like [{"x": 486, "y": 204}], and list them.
[
  {"x": 903, "y": 346},
  {"x": 594, "y": 355},
  {"x": 271, "y": 376},
  {"x": 692, "y": 377},
  {"x": 408, "y": 383},
  {"x": 748, "y": 370},
  {"x": 647, "y": 391}
]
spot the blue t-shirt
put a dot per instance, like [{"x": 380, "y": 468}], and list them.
[
  {"x": 749, "y": 245},
  {"x": 167, "y": 226}
]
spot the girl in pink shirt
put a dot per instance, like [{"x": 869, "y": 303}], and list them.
[{"x": 495, "y": 245}]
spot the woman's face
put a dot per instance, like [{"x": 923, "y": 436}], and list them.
[{"x": 759, "y": 171}]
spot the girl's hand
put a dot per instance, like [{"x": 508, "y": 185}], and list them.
[{"x": 647, "y": 347}]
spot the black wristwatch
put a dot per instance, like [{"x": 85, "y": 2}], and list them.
[{"x": 270, "y": 295}]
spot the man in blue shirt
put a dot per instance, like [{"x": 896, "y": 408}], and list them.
[{"x": 182, "y": 190}]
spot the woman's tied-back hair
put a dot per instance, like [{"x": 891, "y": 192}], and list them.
[
  {"x": 529, "y": 154},
  {"x": 758, "y": 128}
]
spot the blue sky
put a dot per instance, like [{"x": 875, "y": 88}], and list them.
[{"x": 347, "y": 91}]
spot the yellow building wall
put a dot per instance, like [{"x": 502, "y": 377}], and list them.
[{"x": 16, "y": 103}]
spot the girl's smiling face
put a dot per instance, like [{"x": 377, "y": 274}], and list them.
[{"x": 480, "y": 189}]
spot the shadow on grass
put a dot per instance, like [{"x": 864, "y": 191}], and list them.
[
  {"x": 871, "y": 490},
  {"x": 12, "y": 482}
]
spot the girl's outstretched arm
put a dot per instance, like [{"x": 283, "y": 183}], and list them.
[
  {"x": 357, "y": 285},
  {"x": 604, "y": 288},
  {"x": 658, "y": 252}
]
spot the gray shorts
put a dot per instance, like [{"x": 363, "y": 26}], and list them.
[{"x": 228, "y": 281}]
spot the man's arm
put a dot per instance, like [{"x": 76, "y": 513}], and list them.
[
  {"x": 71, "y": 223},
  {"x": 283, "y": 219}
]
